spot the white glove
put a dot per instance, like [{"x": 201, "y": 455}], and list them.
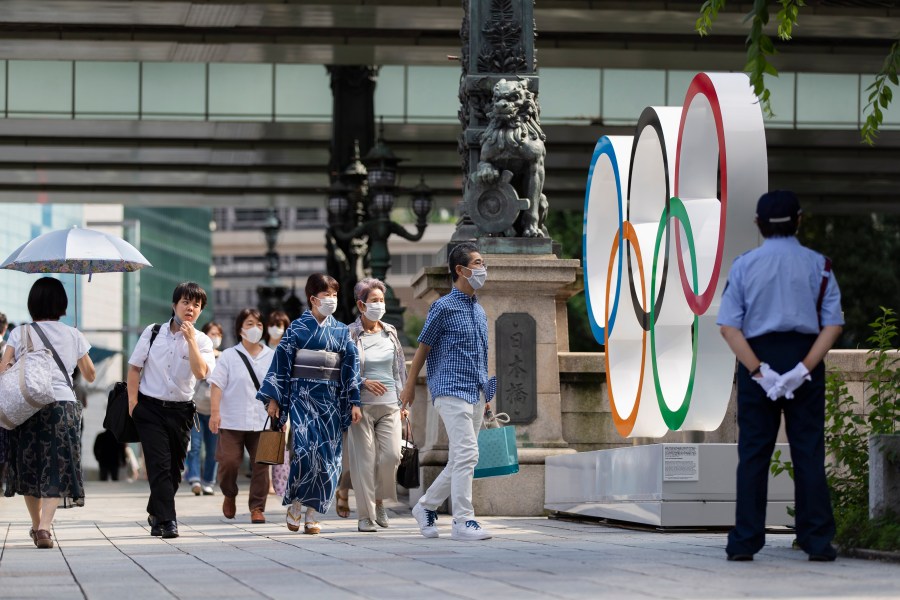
[
  {"x": 793, "y": 379},
  {"x": 769, "y": 381}
]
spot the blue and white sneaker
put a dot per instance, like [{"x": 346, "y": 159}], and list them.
[
  {"x": 427, "y": 520},
  {"x": 470, "y": 530}
]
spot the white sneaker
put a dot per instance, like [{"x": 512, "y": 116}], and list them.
[
  {"x": 426, "y": 520},
  {"x": 195, "y": 487},
  {"x": 381, "y": 516},
  {"x": 366, "y": 525},
  {"x": 470, "y": 530},
  {"x": 294, "y": 516}
]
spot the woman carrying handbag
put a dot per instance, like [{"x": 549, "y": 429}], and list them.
[
  {"x": 237, "y": 416},
  {"x": 45, "y": 451},
  {"x": 374, "y": 443},
  {"x": 314, "y": 381}
]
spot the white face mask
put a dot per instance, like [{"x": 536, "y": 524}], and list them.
[
  {"x": 275, "y": 332},
  {"x": 216, "y": 341},
  {"x": 327, "y": 306},
  {"x": 477, "y": 278},
  {"x": 374, "y": 310},
  {"x": 252, "y": 334}
]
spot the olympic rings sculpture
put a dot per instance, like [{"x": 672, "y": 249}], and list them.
[{"x": 681, "y": 191}]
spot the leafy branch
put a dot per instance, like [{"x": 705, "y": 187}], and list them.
[
  {"x": 880, "y": 95},
  {"x": 760, "y": 47}
]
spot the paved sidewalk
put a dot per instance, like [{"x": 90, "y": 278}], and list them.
[{"x": 104, "y": 550}]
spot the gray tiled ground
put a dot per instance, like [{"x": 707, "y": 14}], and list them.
[{"x": 104, "y": 551}]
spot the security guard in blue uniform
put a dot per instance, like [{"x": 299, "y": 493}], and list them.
[{"x": 780, "y": 314}]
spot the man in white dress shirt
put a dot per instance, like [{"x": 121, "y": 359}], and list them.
[{"x": 163, "y": 371}]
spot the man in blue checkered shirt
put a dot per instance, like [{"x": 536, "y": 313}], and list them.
[{"x": 453, "y": 344}]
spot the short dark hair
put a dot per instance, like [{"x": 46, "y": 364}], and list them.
[
  {"x": 773, "y": 230},
  {"x": 461, "y": 255},
  {"x": 206, "y": 328},
  {"x": 47, "y": 299},
  {"x": 242, "y": 316},
  {"x": 191, "y": 291},
  {"x": 318, "y": 283},
  {"x": 277, "y": 317},
  {"x": 4, "y": 322}
]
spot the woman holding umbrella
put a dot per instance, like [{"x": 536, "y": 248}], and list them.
[{"x": 45, "y": 456}]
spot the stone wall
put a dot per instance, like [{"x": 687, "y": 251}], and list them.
[{"x": 587, "y": 421}]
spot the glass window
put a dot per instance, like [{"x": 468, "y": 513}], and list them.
[
  {"x": 2, "y": 87},
  {"x": 569, "y": 95},
  {"x": 891, "y": 113},
  {"x": 173, "y": 90},
  {"x": 781, "y": 94},
  {"x": 433, "y": 94},
  {"x": 827, "y": 101},
  {"x": 107, "y": 89},
  {"x": 302, "y": 93},
  {"x": 40, "y": 88},
  {"x": 390, "y": 94},
  {"x": 627, "y": 92},
  {"x": 240, "y": 92},
  {"x": 677, "y": 86}
]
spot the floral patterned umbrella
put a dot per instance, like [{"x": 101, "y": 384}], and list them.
[{"x": 78, "y": 251}]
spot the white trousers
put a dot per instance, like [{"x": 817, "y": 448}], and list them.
[
  {"x": 374, "y": 449},
  {"x": 462, "y": 422}
]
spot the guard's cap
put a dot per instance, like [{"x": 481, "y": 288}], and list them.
[{"x": 778, "y": 206}]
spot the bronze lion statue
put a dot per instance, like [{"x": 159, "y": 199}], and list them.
[{"x": 513, "y": 142}]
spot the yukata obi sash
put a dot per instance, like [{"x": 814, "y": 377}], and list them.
[{"x": 317, "y": 364}]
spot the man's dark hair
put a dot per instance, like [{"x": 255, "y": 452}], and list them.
[
  {"x": 47, "y": 299},
  {"x": 318, "y": 283},
  {"x": 242, "y": 316},
  {"x": 461, "y": 255},
  {"x": 4, "y": 322},
  {"x": 191, "y": 291},
  {"x": 773, "y": 230}
]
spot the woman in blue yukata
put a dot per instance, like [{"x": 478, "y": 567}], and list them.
[{"x": 314, "y": 378}]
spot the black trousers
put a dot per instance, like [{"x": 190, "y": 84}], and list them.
[
  {"x": 164, "y": 428},
  {"x": 758, "y": 421}
]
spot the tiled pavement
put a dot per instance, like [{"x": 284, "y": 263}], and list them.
[{"x": 104, "y": 551}]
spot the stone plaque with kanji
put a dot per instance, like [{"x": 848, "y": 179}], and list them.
[{"x": 517, "y": 367}]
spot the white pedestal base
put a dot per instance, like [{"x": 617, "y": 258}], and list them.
[{"x": 668, "y": 485}]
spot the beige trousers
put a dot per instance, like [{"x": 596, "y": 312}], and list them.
[{"x": 374, "y": 447}]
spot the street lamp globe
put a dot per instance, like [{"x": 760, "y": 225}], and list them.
[{"x": 422, "y": 199}]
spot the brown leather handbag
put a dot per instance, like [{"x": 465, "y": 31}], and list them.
[{"x": 270, "y": 450}]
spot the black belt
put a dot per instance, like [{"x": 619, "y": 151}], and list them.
[{"x": 166, "y": 403}]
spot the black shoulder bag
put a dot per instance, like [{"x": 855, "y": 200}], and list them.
[{"x": 117, "y": 419}]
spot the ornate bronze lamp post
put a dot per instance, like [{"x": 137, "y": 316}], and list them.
[
  {"x": 370, "y": 218},
  {"x": 271, "y": 293}
]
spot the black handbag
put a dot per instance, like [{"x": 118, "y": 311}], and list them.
[
  {"x": 408, "y": 470},
  {"x": 117, "y": 418}
]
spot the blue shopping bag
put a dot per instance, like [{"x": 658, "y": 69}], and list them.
[{"x": 497, "y": 454}]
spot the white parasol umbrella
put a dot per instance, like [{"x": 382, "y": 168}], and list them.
[{"x": 77, "y": 251}]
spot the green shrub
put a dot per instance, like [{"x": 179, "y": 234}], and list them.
[{"x": 847, "y": 441}]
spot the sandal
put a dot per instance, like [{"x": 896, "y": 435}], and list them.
[
  {"x": 32, "y": 536},
  {"x": 343, "y": 504},
  {"x": 43, "y": 539},
  {"x": 312, "y": 528}
]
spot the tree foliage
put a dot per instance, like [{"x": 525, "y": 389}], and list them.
[
  {"x": 565, "y": 227},
  {"x": 760, "y": 47},
  {"x": 865, "y": 252}
]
